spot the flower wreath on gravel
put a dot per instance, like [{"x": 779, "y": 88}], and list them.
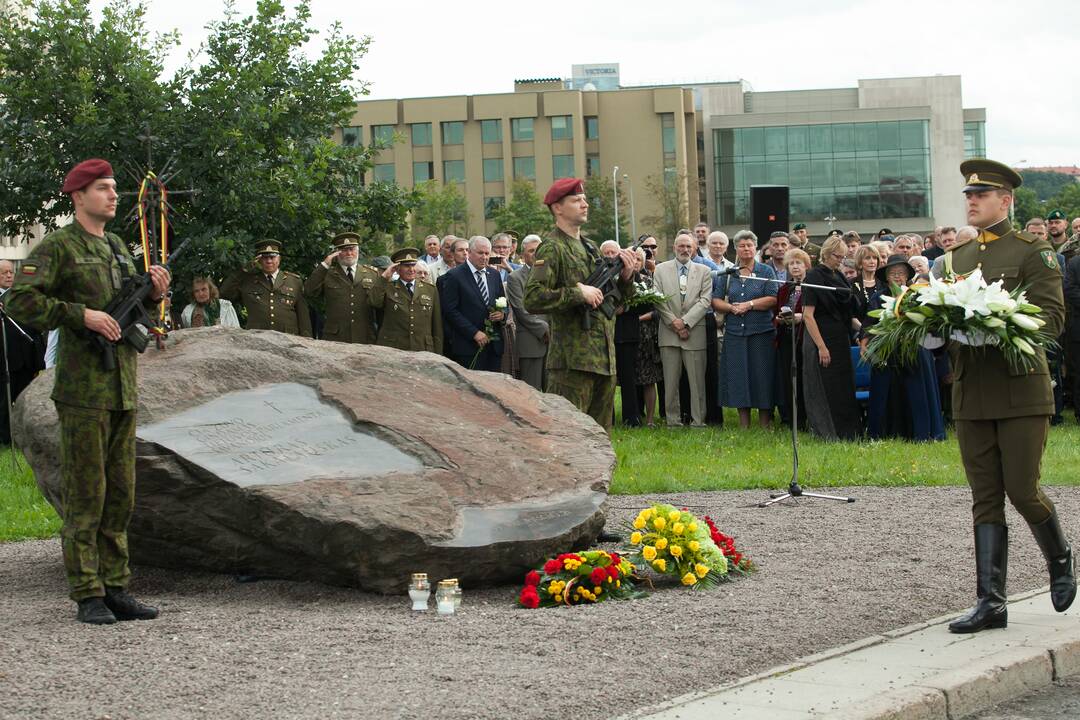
[
  {"x": 591, "y": 576},
  {"x": 674, "y": 542}
]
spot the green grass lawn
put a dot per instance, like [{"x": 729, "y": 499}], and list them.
[{"x": 684, "y": 459}]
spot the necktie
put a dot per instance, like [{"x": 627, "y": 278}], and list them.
[
  {"x": 270, "y": 279},
  {"x": 408, "y": 286},
  {"x": 348, "y": 271},
  {"x": 483, "y": 287},
  {"x": 682, "y": 270}
]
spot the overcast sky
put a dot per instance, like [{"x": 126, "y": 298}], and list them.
[{"x": 1019, "y": 60}]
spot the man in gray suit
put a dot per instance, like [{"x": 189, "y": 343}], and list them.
[
  {"x": 688, "y": 288},
  {"x": 531, "y": 342}
]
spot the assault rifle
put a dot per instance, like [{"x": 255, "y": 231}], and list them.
[
  {"x": 128, "y": 309},
  {"x": 606, "y": 278}
]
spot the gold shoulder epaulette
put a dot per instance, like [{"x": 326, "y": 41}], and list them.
[
  {"x": 1026, "y": 236},
  {"x": 960, "y": 244}
]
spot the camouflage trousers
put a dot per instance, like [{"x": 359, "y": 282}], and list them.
[
  {"x": 591, "y": 393},
  {"x": 97, "y": 496}
]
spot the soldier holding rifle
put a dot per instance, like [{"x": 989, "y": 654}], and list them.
[{"x": 66, "y": 282}]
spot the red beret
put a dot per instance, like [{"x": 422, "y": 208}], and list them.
[
  {"x": 85, "y": 173},
  {"x": 563, "y": 187}
]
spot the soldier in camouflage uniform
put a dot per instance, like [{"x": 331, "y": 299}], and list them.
[
  {"x": 65, "y": 283},
  {"x": 347, "y": 286},
  {"x": 274, "y": 298},
  {"x": 580, "y": 361}
]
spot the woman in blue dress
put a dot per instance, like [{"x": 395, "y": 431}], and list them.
[
  {"x": 904, "y": 399},
  {"x": 748, "y": 361}
]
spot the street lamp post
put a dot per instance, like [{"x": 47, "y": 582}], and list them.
[
  {"x": 830, "y": 218},
  {"x": 633, "y": 216},
  {"x": 615, "y": 190}
]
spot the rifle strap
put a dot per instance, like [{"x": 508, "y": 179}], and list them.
[{"x": 121, "y": 261}]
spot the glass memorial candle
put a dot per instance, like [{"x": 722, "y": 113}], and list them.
[
  {"x": 419, "y": 591},
  {"x": 444, "y": 597}
]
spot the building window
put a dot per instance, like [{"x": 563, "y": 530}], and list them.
[
  {"x": 422, "y": 172},
  {"x": 562, "y": 127},
  {"x": 975, "y": 139},
  {"x": 352, "y": 136},
  {"x": 667, "y": 137},
  {"x": 491, "y": 204},
  {"x": 493, "y": 169},
  {"x": 525, "y": 168},
  {"x": 384, "y": 172},
  {"x": 562, "y": 166},
  {"x": 592, "y": 165},
  {"x": 421, "y": 134},
  {"x": 592, "y": 128},
  {"x": 853, "y": 171},
  {"x": 491, "y": 131},
  {"x": 521, "y": 129},
  {"x": 382, "y": 135},
  {"x": 453, "y": 133},
  {"x": 453, "y": 171}
]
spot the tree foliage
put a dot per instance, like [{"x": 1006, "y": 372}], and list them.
[
  {"x": 669, "y": 191},
  {"x": 1027, "y": 204},
  {"x": 251, "y": 126},
  {"x": 440, "y": 210},
  {"x": 599, "y": 190},
  {"x": 1046, "y": 185},
  {"x": 525, "y": 213}
]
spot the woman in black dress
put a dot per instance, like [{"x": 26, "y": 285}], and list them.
[
  {"x": 649, "y": 370},
  {"x": 828, "y": 375},
  {"x": 868, "y": 262}
]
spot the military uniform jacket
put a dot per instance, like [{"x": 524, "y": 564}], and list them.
[
  {"x": 70, "y": 271},
  {"x": 408, "y": 323},
  {"x": 986, "y": 387},
  {"x": 349, "y": 316},
  {"x": 279, "y": 307},
  {"x": 561, "y": 263}
]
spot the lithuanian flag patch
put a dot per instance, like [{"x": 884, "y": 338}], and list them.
[{"x": 29, "y": 269}]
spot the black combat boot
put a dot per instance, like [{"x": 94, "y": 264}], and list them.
[
  {"x": 126, "y": 607},
  {"x": 92, "y": 610},
  {"x": 1059, "y": 560},
  {"x": 991, "y": 564}
]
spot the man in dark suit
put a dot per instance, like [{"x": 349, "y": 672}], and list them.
[
  {"x": 25, "y": 355},
  {"x": 470, "y": 297},
  {"x": 532, "y": 334}
]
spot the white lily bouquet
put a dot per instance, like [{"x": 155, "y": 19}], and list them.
[
  {"x": 645, "y": 294},
  {"x": 962, "y": 308}
]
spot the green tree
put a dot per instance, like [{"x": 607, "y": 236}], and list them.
[
  {"x": 1026, "y": 205},
  {"x": 1067, "y": 200},
  {"x": 525, "y": 213},
  {"x": 601, "y": 225},
  {"x": 1046, "y": 184},
  {"x": 669, "y": 191},
  {"x": 440, "y": 210}
]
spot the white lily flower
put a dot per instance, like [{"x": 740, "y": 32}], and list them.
[
  {"x": 915, "y": 317},
  {"x": 970, "y": 295},
  {"x": 993, "y": 322},
  {"x": 1026, "y": 321},
  {"x": 1023, "y": 345},
  {"x": 998, "y": 299},
  {"x": 934, "y": 293},
  {"x": 888, "y": 305}
]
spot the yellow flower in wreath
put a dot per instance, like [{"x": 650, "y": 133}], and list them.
[
  {"x": 635, "y": 538},
  {"x": 661, "y": 543},
  {"x": 678, "y": 528},
  {"x": 557, "y": 598},
  {"x": 646, "y": 514},
  {"x": 689, "y": 579},
  {"x": 701, "y": 569},
  {"x": 648, "y": 552},
  {"x": 674, "y": 515},
  {"x": 694, "y": 545},
  {"x": 676, "y": 551},
  {"x": 659, "y": 523},
  {"x": 692, "y": 527},
  {"x": 660, "y": 565},
  {"x": 639, "y": 522}
]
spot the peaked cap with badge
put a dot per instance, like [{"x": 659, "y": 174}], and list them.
[
  {"x": 405, "y": 256},
  {"x": 346, "y": 293},
  {"x": 982, "y": 174},
  {"x": 266, "y": 246},
  {"x": 346, "y": 240},
  {"x": 271, "y": 305}
]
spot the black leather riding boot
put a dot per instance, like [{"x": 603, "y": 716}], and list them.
[
  {"x": 1059, "y": 561},
  {"x": 991, "y": 565}
]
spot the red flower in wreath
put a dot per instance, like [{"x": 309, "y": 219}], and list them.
[
  {"x": 552, "y": 567},
  {"x": 598, "y": 575},
  {"x": 613, "y": 572},
  {"x": 532, "y": 578},
  {"x": 529, "y": 598}
]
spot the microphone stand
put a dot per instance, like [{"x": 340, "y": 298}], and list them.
[{"x": 794, "y": 489}]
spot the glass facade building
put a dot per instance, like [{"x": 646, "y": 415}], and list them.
[
  {"x": 974, "y": 139},
  {"x": 850, "y": 171}
]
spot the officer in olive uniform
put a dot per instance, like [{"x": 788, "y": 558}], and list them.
[
  {"x": 274, "y": 298},
  {"x": 411, "y": 319},
  {"x": 1002, "y": 412},
  {"x": 580, "y": 360},
  {"x": 347, "y": 287},
  {"x": 802, "y": 240},
  {"x": 65, "y": 283}
]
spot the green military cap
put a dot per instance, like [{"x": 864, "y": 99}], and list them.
[
  {"x": 380, "y": 262},
  {"x": 1056, "y": 215},
  {"x": 346, "y": 239},
  {"x": 267, "y": 247},
  {"x": 798, "y": 226},
  {"x": 981, "y": 174},
  {"x": 405, "y": 256}
]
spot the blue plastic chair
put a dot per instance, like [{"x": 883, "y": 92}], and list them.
[{"x": 862, "y": 376}]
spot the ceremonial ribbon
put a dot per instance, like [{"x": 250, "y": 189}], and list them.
[{"x": 146, "y": 236}]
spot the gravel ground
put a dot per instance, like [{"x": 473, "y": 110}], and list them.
[{"x": 830, "y": 573}]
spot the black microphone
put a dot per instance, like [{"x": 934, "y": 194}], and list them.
[{"x": 726, "y": 271}]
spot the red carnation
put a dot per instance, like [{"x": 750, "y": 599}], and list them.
[
  {"x": 532, "y": 578},
  {"x": 613, "y": 572},
  {"x": 552, "y": 567},
  {"x": 614, "y": 558},
  {"x": 529, "y": 598},
  {"x": 598, "y": 575}
]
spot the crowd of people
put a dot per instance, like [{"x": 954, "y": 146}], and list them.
[{"x": 738, "y": 313}]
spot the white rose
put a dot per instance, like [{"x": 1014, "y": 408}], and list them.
[{"x": 500, "y": 303}]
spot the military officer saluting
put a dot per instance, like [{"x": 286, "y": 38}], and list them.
[
  {"x": 411, "y": 319},
  {"x": 1002, "y": 412},
  {"x": 274, "y": 298},
  {"x": 346, "y": 285}
]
